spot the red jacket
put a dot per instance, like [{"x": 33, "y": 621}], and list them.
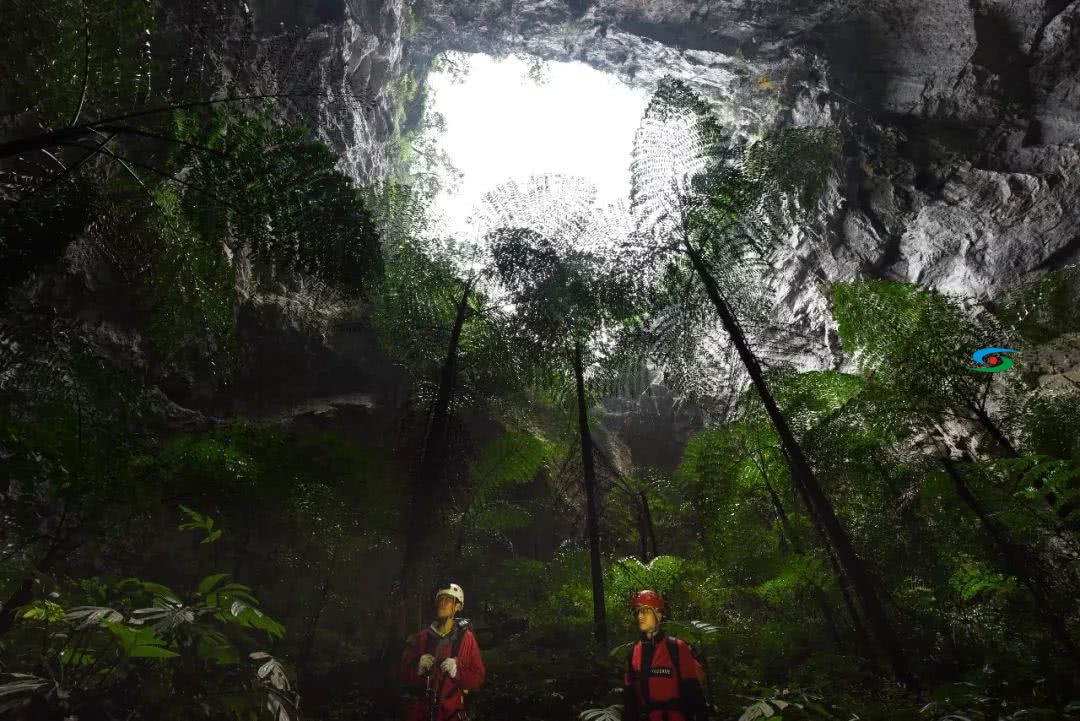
[
  {"x": 470, "y": 671},
  {"x": 656, "y": 689}
]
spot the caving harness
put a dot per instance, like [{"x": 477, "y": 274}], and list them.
[
  {"x": 433, "y": 690},
  {"x": 643, "y": 674}
]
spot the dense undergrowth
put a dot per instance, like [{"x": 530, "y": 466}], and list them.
[{"x": 156, "y": 568}]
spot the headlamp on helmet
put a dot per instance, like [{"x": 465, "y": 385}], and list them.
[{"x": 450, "y": 589}]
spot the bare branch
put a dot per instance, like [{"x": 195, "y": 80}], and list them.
[{"x": 86, "y": 66}]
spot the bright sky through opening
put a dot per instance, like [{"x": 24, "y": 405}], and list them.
[{"x": 502, "y": 125}]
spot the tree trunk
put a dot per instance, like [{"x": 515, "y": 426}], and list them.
[
  {"x": 841, "y": 578},
  {"x": 996, "y": 433},
  {"x": 856, "y": 623},
  {"x": 803, "y": 476},
  {"x": 1013, "y": 560},
  {"x": 426, "y": 489},
  {"x": 649, "y": 524},
  {"x": 591, "y": 515},
  {"x": 643, "y": 536},
  {"x": 313, "y": 625}
]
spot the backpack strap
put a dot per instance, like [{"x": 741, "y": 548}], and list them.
[
  {"x": 459, "y": 636},
  {"x": 673, "y": 652}
]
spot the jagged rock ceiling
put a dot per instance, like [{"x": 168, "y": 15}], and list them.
[{"x": 962, "y": 117}]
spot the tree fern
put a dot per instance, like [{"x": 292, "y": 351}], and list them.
[
  {"x": 512, "y": 459},
  {"x": 565, "y": 294},
  {"x": 690, "y": 176},
  {"x": 65, "y": 56},
  {"x": 284, "y": 200}
]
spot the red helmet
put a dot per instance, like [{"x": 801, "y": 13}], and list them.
[{"x": 652, "y": 599}]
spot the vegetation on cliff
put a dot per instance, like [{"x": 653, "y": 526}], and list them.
[{"x": 899, "y": 541}]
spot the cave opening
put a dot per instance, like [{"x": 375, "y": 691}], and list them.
[{"x": 513, "y": 117}]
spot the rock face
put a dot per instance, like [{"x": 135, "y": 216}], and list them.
[
  {"x": 963, "y": 118},
  {"x": 337, "y": 62}
]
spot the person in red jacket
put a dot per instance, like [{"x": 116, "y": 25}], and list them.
[
  {"x": 442, "y": 661},
  {"x": 663, "y": 680}
]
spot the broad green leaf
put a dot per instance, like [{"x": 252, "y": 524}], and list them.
[
  {"x": 151, "y": 652},
  {"x": 208, "y": 583}
]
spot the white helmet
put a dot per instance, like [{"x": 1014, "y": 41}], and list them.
[{"x": 453, "y": 590}]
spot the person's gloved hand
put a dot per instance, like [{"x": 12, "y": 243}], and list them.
[
  {"x": 426, "y": 662},
  {"x": 450, "y": 666}
]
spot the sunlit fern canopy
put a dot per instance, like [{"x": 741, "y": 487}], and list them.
[{"x": 696, "y": 182}]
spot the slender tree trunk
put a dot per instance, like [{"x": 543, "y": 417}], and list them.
[
  {"x": 793, "y": 543},
  {"x": 856, "y": 623},
  {"x": 648, "y": 523},
  {"x": 591, "y": 514},
  {"x": 992, "y": 428},
  {"x": 803, "y": 475},
  {"x": 643, "y": 535},
  {"x": 426, "y": 488},
  {"x": 841, "y": 580},
  {"x": 1013, "y": 560},
  {"x": 313, "y": 625}
]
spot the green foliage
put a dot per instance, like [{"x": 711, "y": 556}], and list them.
[
  {"x": 46, "y": 611},
  {"x": 415, "y": 310},
  {"x": 191, "y": 284},
  {"x": 511, "y": 459},
  {"x": 200, "y": 522},
  {"x": 313, "y": 516},
  {"x": 991, "y": 696},
  {"x": 794, "y": 579},
  {"x": 125, "y": 630},
  {"x": 916, "y": 342},
  {"x": 696, "y": 191},
  {"x": 1054, "y": 481},
  {"x": 418, "y": 305},
  {"x": 280, "y": 198},
  {"x": 1043, "y": 309},
  {"x": 795, "y": 161},
  {"x": 1043, "y": 421},
  {"x": 53, "y": 45},
  {"x": 408, "y": 88},
  {"x": 563, "y": 296},
  {"x": 454, "y": 63},
  {"x": 627, "y": 576},
  {"x": 408, "y": 18},
  {"x": 971, "y": 582},
  {"x": 778, "y": 704}
]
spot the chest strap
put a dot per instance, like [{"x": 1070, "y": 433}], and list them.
[{"x": 643, "y": 675}]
